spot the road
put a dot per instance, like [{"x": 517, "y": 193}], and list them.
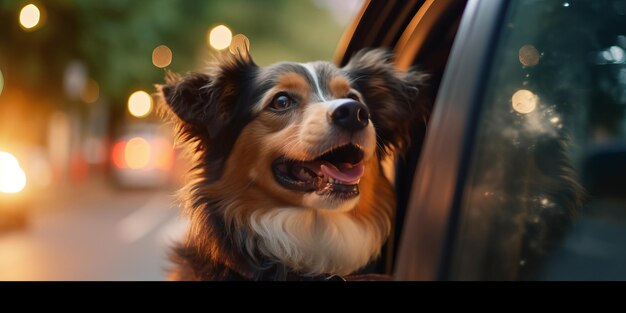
[{"x": 95, "y": 234}]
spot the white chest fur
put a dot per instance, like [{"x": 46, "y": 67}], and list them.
[{"x": 316, "y": 241}]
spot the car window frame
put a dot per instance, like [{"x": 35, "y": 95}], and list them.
[
  {"x": 430, "y": 226},
  {"x": 367, "y": 29}
]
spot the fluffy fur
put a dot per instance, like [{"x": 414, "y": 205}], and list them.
[{"x": 246, "y": 225}]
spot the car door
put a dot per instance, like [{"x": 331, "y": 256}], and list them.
[
  {"x": 542, "y": 191},
  {"x": 520, "y": 174}
]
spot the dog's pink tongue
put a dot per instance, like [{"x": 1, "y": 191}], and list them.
[{"x": 349, "y": 174}]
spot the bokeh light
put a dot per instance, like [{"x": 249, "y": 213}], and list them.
[
  {"x": 529, "y": 55},
  {"x": 29, "y": 16},
  {"x": 164, "y": 158},
  {"x": 12, "y": 177},
  {"x": 220, "y": 37},
  {"x": 162, "y": 56},
  {"x": 91, "y": 92},
  {"x": 137, "y": 153},
  {"x": 140, "y": 104},
  {"x": 524, "y": 101},
  {"x": 117, "y": 154}
]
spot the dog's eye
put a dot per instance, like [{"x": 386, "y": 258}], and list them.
[
  {"x": 282, "y": 102},
  {"x": 353, "y": 96}
]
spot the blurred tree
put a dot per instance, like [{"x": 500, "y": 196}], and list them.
[{"x": 115, "y": 39}]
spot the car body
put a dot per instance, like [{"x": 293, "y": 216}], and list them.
[
  {"x": 24, "y": 170},
  {"x": 519, "y": 173},
  {"x": 12, "y": 183},
  {"x": 143, "y": 156}
]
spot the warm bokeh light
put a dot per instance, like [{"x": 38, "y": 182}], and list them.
[
  {"x": 12, "y": 177},
  {"x": 529, "y": 55},
  {"x": 137, "y": 153},
  {"x": 140, "y": 104},
  {"x": 220, "y": 37},
  {"x": 164, "y": 158},
  {"x": 117, "y": 154},
  {"x": 162, "y": 56},
  {"x": 140, "y": 153},
  {"x": 30, "y": 16},
  {"x": 91, "y": 92},
  {"x": 524, "y": 101}
]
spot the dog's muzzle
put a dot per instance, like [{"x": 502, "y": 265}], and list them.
[{"x": 336, "y": 172}]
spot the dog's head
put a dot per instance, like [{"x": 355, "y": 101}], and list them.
[
  {"x": 289, "y": 156},
  {"x": 306, "y": 132}
]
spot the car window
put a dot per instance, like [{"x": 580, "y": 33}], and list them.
[{"x": 545, "y": 195}]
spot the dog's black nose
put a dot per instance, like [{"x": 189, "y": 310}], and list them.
[{"x": 351, "y": 115}]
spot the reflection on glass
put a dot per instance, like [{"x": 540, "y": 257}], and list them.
[
  {"x": 524, "y": 101},
  {"x": 555, "y": 174},
  {"x": 528, "y": 55}
]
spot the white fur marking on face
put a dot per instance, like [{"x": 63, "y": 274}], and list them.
[
  {"x": 316, "y": 242},
  {"x": 311, "y": 71},
  {"x": 333, "y": 104}
]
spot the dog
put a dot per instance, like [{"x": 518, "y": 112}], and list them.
[{"x": 287, "y": 182}]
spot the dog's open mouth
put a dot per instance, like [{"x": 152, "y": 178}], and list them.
[{"x": 335, "y": 173}]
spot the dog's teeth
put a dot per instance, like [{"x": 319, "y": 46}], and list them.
[{"x": 303, "y": 173}]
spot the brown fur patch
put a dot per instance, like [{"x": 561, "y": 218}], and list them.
[
  {"x": 247, "y": 173},
  {"x": 377, "y": 201},
  {"x": 339, "y": 86},
  {"x": 293, "y": 82}
]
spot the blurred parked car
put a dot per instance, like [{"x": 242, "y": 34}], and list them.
[
  {"x": 24, "y": 173},
  {"x": 13, "y": 202},
  {"x": 520, "y": 172},
  {"x": 143, "y": 156}
]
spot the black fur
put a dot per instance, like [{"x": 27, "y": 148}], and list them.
[
  {"x": 213, "y": 108},
  {"x": 391, "y": 96}
]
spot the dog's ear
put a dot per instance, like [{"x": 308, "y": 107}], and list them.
[
  {"x": 211, "y": 109},
  {"x": 186, "y": 97},
  {"x": 390, "y": 94},
  {"x": 206, "y": 102}
]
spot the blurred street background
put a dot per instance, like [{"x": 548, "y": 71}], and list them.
[{"x": 88, "y": 172}]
